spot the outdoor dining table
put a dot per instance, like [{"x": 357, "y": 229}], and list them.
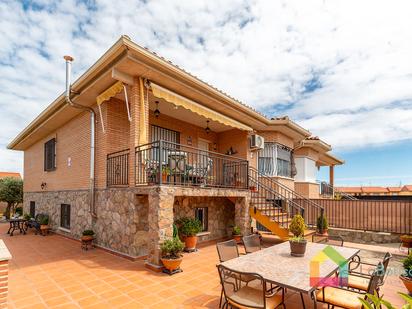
[
  {"x": 277, "y": 266},
  {"x": 17, "y": 224}
]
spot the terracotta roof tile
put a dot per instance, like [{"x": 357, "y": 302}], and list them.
[
  {"x": 349, "y": 189},
  {"x": 407, "y": 188},
  {"x": 10, "y": 174},
  {"x": 374, "y": 189},
  {"x": 394, "y": 189}
]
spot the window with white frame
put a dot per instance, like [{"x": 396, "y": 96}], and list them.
[{"x": 275, "y": 160}]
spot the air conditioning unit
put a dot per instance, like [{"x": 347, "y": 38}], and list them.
[{"x": 257, "y": 142}]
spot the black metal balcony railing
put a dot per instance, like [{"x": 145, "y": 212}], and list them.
[
  {"x": 118, "y": 168},
  {"x": 163, "y": 162}
]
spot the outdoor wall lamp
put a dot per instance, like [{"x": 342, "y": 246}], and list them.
[
  {"x": 43, "y": 185},
  {"x": 157, "y": 111},
  {"x": 207, "y": 129}
]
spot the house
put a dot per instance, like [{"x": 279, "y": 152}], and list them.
[
  {"x": 376, "y": 191},
  {"x": 137, "y": 142}
]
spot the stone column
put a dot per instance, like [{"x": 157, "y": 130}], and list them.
[
  {"x": 161, "y": 200},
  {"x": 5, "y": 256},
  {"x": 242, "y": 217}
]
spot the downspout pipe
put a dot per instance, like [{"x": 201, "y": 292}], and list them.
[{"x": 69, "y": 101}]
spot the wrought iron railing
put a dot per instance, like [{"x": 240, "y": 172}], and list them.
[
  {"x": 329, "y": 191},
  {"x": 117, "y": 173},
  {"x": 163, "y": 162},
  {"x": 312, "y": 209}
]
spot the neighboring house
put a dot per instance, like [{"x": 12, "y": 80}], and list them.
[
  {"x": 3, "y": 205},
  {"x": 166, "y": 145},
  {"x": 377, "y": 191}
]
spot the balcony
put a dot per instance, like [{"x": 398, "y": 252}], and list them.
[{"x": 167, "y": 163}]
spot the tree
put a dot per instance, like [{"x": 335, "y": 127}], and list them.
[{"x": 11, "y": 192}]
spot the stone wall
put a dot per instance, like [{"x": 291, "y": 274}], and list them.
[
  {"x": 221, "y": 213},
  {"x": 49, "y": 203},
  {"x": 365, "y": 237},
  {"x": 121, "y": 223}
]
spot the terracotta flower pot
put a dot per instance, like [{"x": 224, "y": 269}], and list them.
[
  {"x": 323, "y": 232},
  {"x": 44, "y": 227},
  {"x": 406, "y": 241},
  {"x": 87, "y": 238},
  {"x": 171, "y": 264},
  {"x": 237, "y": 238},
  {"x": 190, "y": 242},
  {"x": 407, "y": 282},
  {"x": 298, "y": 248}
]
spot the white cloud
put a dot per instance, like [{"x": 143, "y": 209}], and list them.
[{"x": 269, "y": 54}]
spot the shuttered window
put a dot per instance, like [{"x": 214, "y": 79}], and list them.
[
  {"x": 50, "y": 155},
  {"x": 158, "y": 133},
  {"x": 275, "y": 160},
  {"x": 201, "y": 214},
  {"x": 65, "y": 216}
]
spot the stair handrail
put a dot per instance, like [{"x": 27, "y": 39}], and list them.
[
  {"x": 286, "y": 188},
  {"x": 275, "y": 193}
]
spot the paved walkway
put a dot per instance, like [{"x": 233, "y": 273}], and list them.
[{"x": 53, "y": 272}]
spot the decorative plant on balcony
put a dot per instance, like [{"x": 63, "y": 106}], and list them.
[
  {"x": 189, "y": 228},
  {"x": 171, "y": 254},
  {"x": 407, "y": 276},
  {"x": 322, "y": 225},
  {"x": 297, "y": 242},
  {"x": 165, "y": 173}
]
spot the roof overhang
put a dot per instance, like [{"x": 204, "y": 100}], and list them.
[
  {"x": 128, "y": 60},
  {"x": 328, "y": 159}
]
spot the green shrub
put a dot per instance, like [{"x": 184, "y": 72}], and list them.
[
  {"x": 26, "y": 217},
  {"x": 171, "y": 248},
  {"x": 407, "y": 265},
  {"x": 19, "y": 210},
  {"x": 297, "y": 226},
  {"x": 175, "y": 231},
  {"x": 322, "y": 224},
  {"x": 190, "y": 226},
  {"x": 236, "y": 230},
  {"x": 88, "y": 233},
  {"x": 44, "y": 220}
]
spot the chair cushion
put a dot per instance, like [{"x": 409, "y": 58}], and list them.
[
  {"x": 248, "y": 297},
  {"x": 339, "y": 297},
  {"x": 358, "y": 282}
]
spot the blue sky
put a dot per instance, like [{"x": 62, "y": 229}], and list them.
[{"x": 341, "y": 69}]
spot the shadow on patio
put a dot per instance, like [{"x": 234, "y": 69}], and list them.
[{"x": 52, "y": 271}]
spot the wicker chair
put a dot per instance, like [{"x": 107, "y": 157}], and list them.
[
  {"x": 346, "y": 298},
  {"x": 252, "y": 243},
  {"x": 358, "y": 279},
  {"x": 240, "y": 294},
  {"x": 327, "y": 239}
]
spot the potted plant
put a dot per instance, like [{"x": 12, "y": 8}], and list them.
[
  {"x": 406, "y": 277},
  {"x": 87, "y": 235},
  {"x": 171, "y": 254},
  {"x": 26, "y": 217},
  {"x": 44, "y": 223},
  {"x": 297, "y": 242},
  {"x": 165, "y": 173},
  {"x": 237, "y": 234},
  {"x": 406, "y": 241},
  {"x": 189, "y": 227},
  {"x": 322, "y": 225}
]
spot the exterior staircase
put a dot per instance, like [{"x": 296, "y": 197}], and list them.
[{"x": 273, "y": 206}]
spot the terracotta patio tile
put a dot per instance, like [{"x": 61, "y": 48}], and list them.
[
  {"x": 90, "y": 300},
  {"x": 80, "y": 294},
  {"x": 119, "y": 300},
  {"x": 54, "y": 302}
]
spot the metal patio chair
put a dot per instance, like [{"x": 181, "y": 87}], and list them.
[
  {"x": 240, "y": 294},
  {"x": 252, "y": 243}
]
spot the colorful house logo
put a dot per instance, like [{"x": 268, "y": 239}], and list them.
[{"x": 328, "y": 254}]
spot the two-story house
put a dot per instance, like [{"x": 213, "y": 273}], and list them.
[{"x": 137, "y": 142}]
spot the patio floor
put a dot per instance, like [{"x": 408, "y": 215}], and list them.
[{"x": 53, "y": 272}]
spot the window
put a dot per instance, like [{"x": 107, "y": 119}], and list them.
[
  {"x": 158, "y": 133},
  {"x": 50, "y": 155},
  {"x": 275, "y": 160},
  {"x": 201, "y": 214},
  {"x": 32, "y": 209},
  {"x": 65, "y": 216}
]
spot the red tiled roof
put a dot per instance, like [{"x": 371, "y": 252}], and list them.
[
  {"x": 374, "y": 189},
  {"x": 349, "y": 189},
  {"x": 407, "y": 188},
  {"x": 10, "y": 174},
  {"x": 394, "y": 189}
]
